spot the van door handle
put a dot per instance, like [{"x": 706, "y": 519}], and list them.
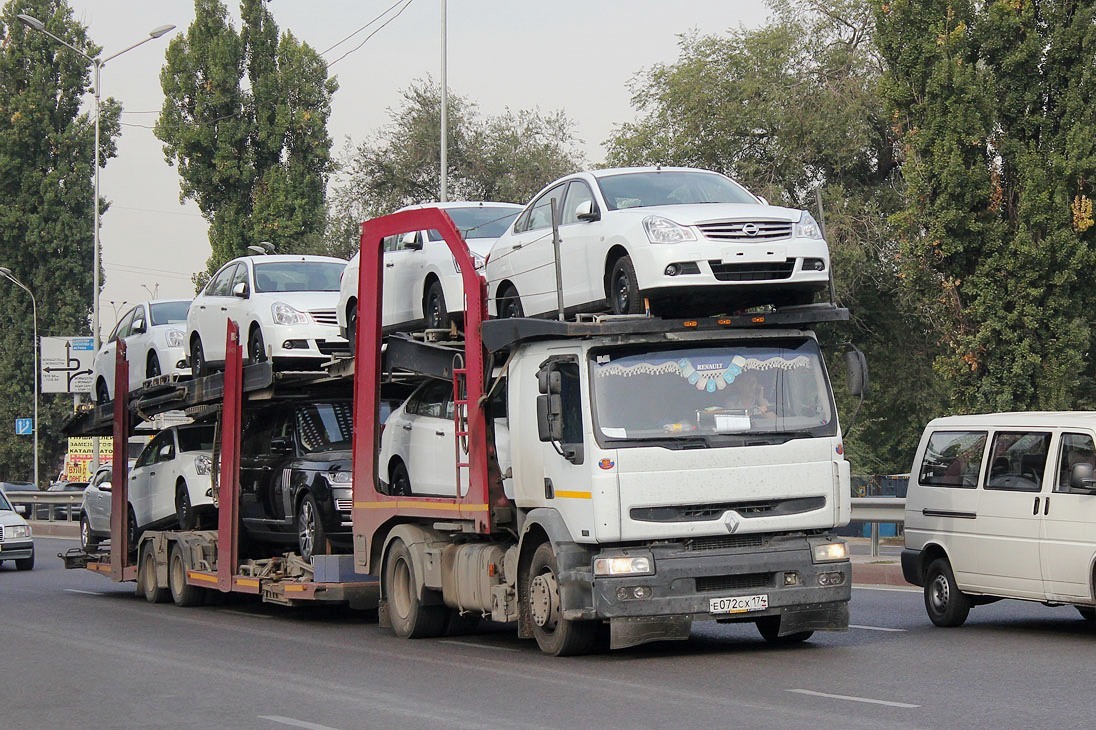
[
  {"x": 1046, "y": 506},
  {"x": 1035, "y": 509}
]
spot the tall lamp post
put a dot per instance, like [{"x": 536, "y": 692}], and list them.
[
  {"x": 32, "y": 22},
  {"x": 6, "y": 273}
]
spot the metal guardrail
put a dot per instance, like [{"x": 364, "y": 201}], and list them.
[
  {"x": 878, "y": 510},
  {"x": 55, "y": 506}
]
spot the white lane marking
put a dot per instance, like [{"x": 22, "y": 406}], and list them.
[
  {"x": 86, "y": 593},
  {"x": 476, "y": 646},
  {"x": 876, "y": 628},
  {"x": 295, "y": 723},
  {"x": 893, "y": 589},
  {"x": 851, "y": 698}
]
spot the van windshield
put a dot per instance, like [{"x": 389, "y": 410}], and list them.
[{"x": 730, "y": 390}]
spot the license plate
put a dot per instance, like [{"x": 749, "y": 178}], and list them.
[
  {"x": 739, "y": 604},
  {"x": 753, "y": 253}
]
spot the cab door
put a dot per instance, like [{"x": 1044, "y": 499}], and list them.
[{"x": 1069, "y": 523}]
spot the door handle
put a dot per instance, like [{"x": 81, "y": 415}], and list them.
[
  {"x": 517, "y": 246},
  {"x": 389, "y": 266},
  {"x": 406, "y": 428},
  {"x": 439, "y": 433},
  {"x": 1035, "y": 509},
  {"x": 1046, "y": 506}
]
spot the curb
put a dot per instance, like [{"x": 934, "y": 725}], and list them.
[
  {"x": 45, "y": 528},
  {"x": 878, "y": 572}
]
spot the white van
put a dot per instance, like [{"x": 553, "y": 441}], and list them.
[{"x": 1003, "y": 505}]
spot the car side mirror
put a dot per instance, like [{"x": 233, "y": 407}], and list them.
[
  {"x": 240, "y": 290},
  {"x": 138, "y": 327},
  {"x": 410, "y": 241},
  {"x": 587, "y": 212},
  {"x": 1081, "y": 477},
  {"x": 281, "y": 445}
]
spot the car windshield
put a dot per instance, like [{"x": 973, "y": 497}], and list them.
[
  {"x": 676, "y": 187},
  {"x": 196, "y": 438},
  {"x": 169, "y": 312},
  {"x": 324, "y": 426},
  {"x": 286, "y": 276},
  {"x": 480, "y": 221},
  {"x": 5, "y": 505},
  {"x": 736, "y": 389}
]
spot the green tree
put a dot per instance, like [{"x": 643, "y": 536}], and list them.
[
  {"x": 255, "y": 157},
  {"x": 792, "y": 110},
  {"x": 992, "y": 104},
  {"x": 507, "y": 158},
  {"x": 46, "y": 157}
]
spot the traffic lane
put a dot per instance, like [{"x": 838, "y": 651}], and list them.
[{"x": 115, "y": 661}]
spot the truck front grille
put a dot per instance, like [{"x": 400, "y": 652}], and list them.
[
  {"x": 774, "y": 271},
  {"x": 725, "y": 542},
  {"x": 734, "y": 582},
  {"x": 703, "y": 512}
]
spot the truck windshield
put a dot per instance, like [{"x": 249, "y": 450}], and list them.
[{"x": 720, "y": 393}]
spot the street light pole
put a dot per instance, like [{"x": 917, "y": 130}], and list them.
[
  {"x": 31, "y": 22},
  {"x": 6, "y": 273}
]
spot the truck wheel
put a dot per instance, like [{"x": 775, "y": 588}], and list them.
[
  {"x": 25, "y": 563},
  {"x": 182, "y": 593},
  {"x": 769, "y": 628},
  {"x": 624, "y": 295},
  {"x": 311, "y": 538},
  {"x": 146, "y": 578},
  {"x": 554, "y": 634},
  {"x": 433, "y": 307},
  {"x": 88, "y": 541},
  {"x": 410, "y": 618},
  {"x": 184, "y": 511},
  {"x": 944, "y": 602}
]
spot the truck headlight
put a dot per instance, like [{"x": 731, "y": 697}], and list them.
[
  {"x": 203, "y": 465},
  {"x": 285, "y": 314},
  {"x": 828, "y": 552},
  {"x": 664, "y": 230},
  {"x": 18, "y": 531},
  {"x": 624, "y": 565}
]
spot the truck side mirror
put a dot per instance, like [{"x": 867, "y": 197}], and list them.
[
  {"x": 550, "y": 417},
  {"x": 1081, "y": 477},
  {"x": 549, "y": 381},
  {"x": 857, "y": 366}
]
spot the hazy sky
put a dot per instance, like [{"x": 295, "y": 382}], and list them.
[{"x": 574, "y": 55}]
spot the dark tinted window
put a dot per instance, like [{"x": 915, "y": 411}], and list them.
[
  {"x": 196, "y": 438},
  {"x": 324, "y": 426}
]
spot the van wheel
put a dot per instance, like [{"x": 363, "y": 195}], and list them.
[
  {"x": 409, "y": 616},
  {"x": 146, "y": 578},
  {"x": 555, "y": 635},
  {"x": 182, "y": 593},
  {"x": 944, "y": 602}
]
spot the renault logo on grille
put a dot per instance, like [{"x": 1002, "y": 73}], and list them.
[{"x": 750, "y": 229}]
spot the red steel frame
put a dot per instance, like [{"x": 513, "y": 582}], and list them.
[
  {"x": 120, "y": 567},
  {"x": 228, "y": 482},
  {"x": 373, "y": 510}
]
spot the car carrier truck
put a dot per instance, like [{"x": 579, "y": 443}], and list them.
[{"x": 636, "y": 498}]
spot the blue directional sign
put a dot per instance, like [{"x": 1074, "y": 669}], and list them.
[{"x": 24, "y": 426}]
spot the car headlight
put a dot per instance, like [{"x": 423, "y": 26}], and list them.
[
  {"x": 624, "y": 565},
  {"x": 340, "y": 476},
  {"x": 175, "y": 338},
  {"x": 203, "y": 465},
  {"x": 478, "y": 262},
  {"x": 807, "y": 227},
  {"x": 664, "y": 230},
  {"x": 285, "y": 314},
  {"x": 827, "y": 552},
  {"x": 18, "y": 531}
]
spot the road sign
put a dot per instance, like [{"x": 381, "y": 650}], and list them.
[
  {"x": 24, "y": 426},
  {"x": 66, "y": 364}
]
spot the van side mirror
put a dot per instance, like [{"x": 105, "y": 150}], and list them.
[
  {"x": 856, "y": 366},
  {"x": 240, "y": 290},
  {"x": 587, "y": 212},
  {"x": 1081, "y": 477}
]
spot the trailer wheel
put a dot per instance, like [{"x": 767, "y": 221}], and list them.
[
  {"x": 945, "y": 604},
  {"x": 410, "y": 618},
  {"x": 88, "y": 541},
  {"x": 769, "y": 628},
  {"x": 146, "y": 578},
  {"x": 182, "y": 593},
  {"x": 555, "y": 635}
]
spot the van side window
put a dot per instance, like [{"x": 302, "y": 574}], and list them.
[
  {"x": 1077, "y": 448},
  {"x": 953, "y": 459},
  {"x": 1018, "y": 461}
]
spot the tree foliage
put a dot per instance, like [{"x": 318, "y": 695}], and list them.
[
  {"x": 506, "y": 158},
  {"x": 245, "y": 119},
  {"x": 992, "y": 105},
  {"x": 46, "y": 240},
  {"x": 792, "y": 110}
]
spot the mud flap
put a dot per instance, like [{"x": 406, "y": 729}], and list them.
[
  {"x": 632, "y": 631},
  {"x": 817, "y": 617}
]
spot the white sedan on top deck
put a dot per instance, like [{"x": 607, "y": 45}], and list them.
[
  {"x": 154, "y": 333},
  {"x": 692, "y": 242}
]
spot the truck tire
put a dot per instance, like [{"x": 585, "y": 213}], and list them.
[
  {"x": 88, "y": 541},
  {"x": 409, "y": 616},
  {"x": 146, "y": 578},
  {"x": 945, "y": 604},
  {"x": 554, "y": 634},
  {"x": 182, "y": 593},
  {"x": 769, "y": 628}
]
